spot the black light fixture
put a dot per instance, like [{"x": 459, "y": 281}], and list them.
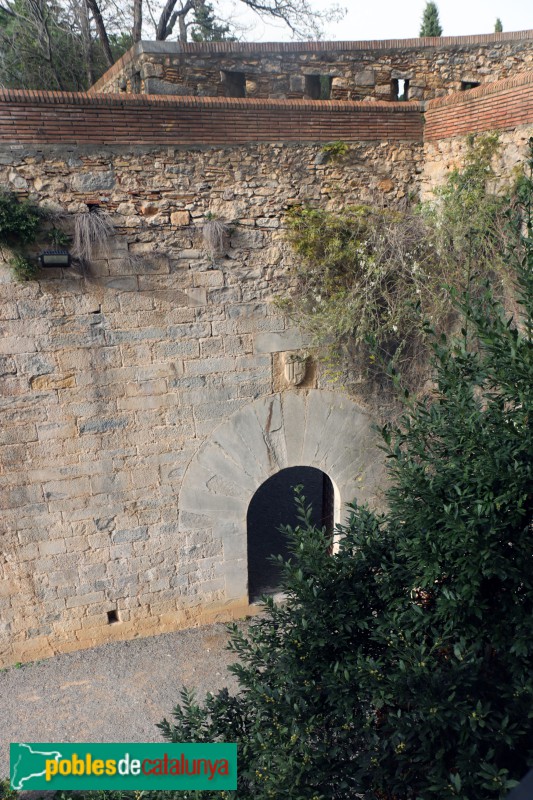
[{"x": 53, "y": 259}]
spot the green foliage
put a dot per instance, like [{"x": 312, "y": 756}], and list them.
[
  {"x": 466, "y": 217},
  {"x": 335, "y": 151},
  {"x": 23, "y": 269},
  {"x": 206, "y": 28},
  {"x": 360, "y": 274},
  {"x": 47, "y": 45},
  {"x": 365, "y": 275},
  {"x": 19, "y": 219},
  {"x": 498, "y": 27},
  {"x": 430, "y": 21},
  {"x": 20, "y": 222},
  {"x": 58, "y": 238},
  {"x": 400, "y": 667},
  {"x": 6, "y": 793}
]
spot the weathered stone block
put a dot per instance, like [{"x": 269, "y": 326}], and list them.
[
  {"x": 93, "y": 181},
  {"x": 103, "y": 425},
  {"x": 130, "y": 535},
  {"x": 274, "y": 342},
  {"x": 52, "y": 547},
  {"x": 180, "y": 218}
]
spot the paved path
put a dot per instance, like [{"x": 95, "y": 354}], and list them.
[{"x": 113, "y": 693}]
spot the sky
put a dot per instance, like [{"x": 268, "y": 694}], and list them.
[{"x": 400, "y": 19}]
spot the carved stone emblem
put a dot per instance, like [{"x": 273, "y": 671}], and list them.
[{"x": 295, "y": 365}]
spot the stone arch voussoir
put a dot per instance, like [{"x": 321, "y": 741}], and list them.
[{"x": 317, "y": 428}]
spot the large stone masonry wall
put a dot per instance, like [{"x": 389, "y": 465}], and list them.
[
  {"x": 358, "y": 70},
  {"x": 113, "y": 387}
]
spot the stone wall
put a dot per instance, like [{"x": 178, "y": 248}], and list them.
[
  {"x": 505, "y": 106},
  {"x": 142, "y": 407},
  {"x": 357, "y": 70}
]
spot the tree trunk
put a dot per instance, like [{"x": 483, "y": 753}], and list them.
[
  {"x": 102, "y": 33},
  {"x": 137, "y": 20},
  {"x": 85, "y": 27},
  {"x": 183, "y": 30}
]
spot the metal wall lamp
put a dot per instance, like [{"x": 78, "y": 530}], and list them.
[{"x": 54, "y": 258}]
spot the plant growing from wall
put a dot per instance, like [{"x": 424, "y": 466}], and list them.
[
  {"x": 20, "y": 223},
  {"x": 335, "y": 151},
  {"x": 365, "y": 276},
  {"x": 465, "y": 219},
  {"x": 215, "y": 236},
  {"x": 400, "y": 667},
  {"x": 92, "y": 232}
]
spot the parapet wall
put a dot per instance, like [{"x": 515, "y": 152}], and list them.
[
  {"x": 54, "y": 117},
  {"x": 502, "y": 105},
  {"x": 355, "y": 70},
  {"x": 505, "y": 107}
]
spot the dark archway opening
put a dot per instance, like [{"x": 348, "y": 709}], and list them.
[{"x": 272, "y": 506}]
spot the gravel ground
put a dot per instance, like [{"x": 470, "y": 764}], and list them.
[{"x": 114, "y": 693}]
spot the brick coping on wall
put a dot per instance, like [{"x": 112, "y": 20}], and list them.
[
  {"x": 502, "y": 105},
  {"x": 175, "y": 48},
  {"x": 122, "y": 100},
  {"x": 38, "y": 117},
  {"x": 54, "y": 117},
  {"x": 495, "y": 87}
]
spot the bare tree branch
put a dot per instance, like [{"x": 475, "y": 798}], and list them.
[
  {"x": 168, "y": 17},
  {"x": 300, "y": 18}
]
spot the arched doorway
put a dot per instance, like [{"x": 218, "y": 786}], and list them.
[
  {"x": 318, "y": 428},
  {"x": 273, "y": 506}
]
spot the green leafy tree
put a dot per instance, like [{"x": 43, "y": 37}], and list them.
[
  {"x": 400, "y": 667},
  {"x": 206, "y": 27},
  {"x": 430, "y": 21},
  {"x": 498, "y": 27}
]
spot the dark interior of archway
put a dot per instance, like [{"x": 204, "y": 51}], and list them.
[{"x": 272, "y": 506}]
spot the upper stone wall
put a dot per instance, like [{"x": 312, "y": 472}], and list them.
[{"x": 358, "y": 70}]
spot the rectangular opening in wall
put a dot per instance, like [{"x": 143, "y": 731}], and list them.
[
  {"x": 234, "y": 83},
  {"x": 136, "y": 83},
  {"x": 399, "y": 89},
  {"x": 466, "y": 85},
  {"x": 112, "y": 616},
  {"x": 318, "y": 87}
]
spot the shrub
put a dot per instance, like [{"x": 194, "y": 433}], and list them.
[
  {"x": 19, "y": 219},
  {"x": 400, "y": 667},
  {"x": 367, "y": 274},
  {"x": 23, "y": 269}
]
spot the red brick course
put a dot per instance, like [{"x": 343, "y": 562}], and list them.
[
  {"x": 40, "y": 117},
  {"x": 502, "y": 105},
  {"x": 77, "y": 118}
]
